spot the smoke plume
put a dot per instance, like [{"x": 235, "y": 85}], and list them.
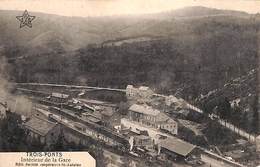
[{"x": 16, "y": 103}]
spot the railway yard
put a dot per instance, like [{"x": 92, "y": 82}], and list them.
[{"x": 125, "y": 132}]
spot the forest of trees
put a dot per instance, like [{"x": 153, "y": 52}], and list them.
[
  {"x": 162, "y": 64},
  {"x": 247, "y": 120}
]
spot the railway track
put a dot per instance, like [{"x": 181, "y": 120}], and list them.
[
  {"x": 55, "y": 109},
  {"x": 68, "y": 86}
]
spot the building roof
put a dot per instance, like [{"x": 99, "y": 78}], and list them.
[
  {"x": 92, "y": 118},
  {"x": 184, "y": 112},
  {"x": 142, "y": 137},
  {"x": 144, "y": 109},
  {"x": 39, "y": 125},
  {"x": 129, "y": 87},
  {"x": 162, "y": 117},
  {"x": 59, "y": 95},
  {"x": 144, "y": 88},
  {"x": 92, "y": 101},
  {"x": 177, "y": 146}
]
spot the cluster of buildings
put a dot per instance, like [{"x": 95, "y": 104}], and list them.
[
  {"x": 144, "y": 94},
  {"x": 151, "y": 129},
  {"x": 144, "y": 128}
]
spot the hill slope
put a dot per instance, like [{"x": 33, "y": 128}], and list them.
[
  {"x": 75, "y": 32},
  {"x": 189, "y": 51}
]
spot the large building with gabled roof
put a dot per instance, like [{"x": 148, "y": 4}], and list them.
[
  {"x": 42, "y": 130},
  {"x": 153, "y": 118},
  {"x": 175, "y": 147}
]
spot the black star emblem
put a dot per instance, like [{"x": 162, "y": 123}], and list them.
[{"x": 25, "y": 19}]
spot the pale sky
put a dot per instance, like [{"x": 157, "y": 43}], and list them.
[{"x": 86, "y": 8}]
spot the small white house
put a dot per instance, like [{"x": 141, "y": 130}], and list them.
[{"x": 143, "y": 93}]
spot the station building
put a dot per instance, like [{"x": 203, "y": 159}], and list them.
[
  {"x": 42, "y": 130},
  {"x": 150, "y": 117}
]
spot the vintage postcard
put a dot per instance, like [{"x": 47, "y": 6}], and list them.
[{"x": 129, "y": 83}]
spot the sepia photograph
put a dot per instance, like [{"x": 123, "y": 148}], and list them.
[{"x": 131, "y": 83}]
